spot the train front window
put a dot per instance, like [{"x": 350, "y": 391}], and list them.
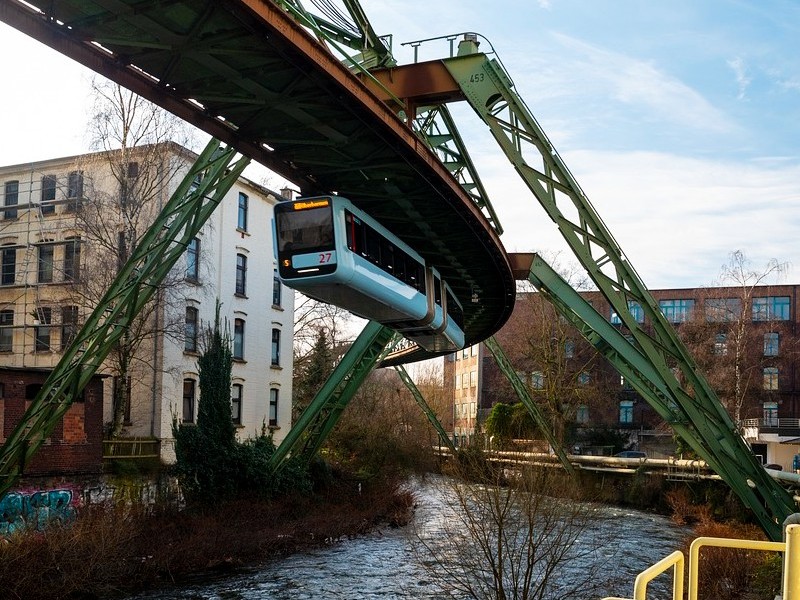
[{"x": 304, "y": 230}]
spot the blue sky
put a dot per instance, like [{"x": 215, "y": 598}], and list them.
[{"x": 680, "y": 119}]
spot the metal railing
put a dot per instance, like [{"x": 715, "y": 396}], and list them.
[
  {"x": 791, "y": 565},
  {"x": 773, "y": 423},
  {"x": 131, "y": 448}
]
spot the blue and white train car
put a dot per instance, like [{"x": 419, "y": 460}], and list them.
[{"x": 334, "y": 252}]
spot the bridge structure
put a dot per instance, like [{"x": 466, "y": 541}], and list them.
[{"x": 263, "y": 77}]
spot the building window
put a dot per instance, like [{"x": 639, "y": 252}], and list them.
[
  {"x": 771, "y": 343},
  {"x": 133, "y": 170},
  {"x": 241, "y": 274},
  {"x": 677, "y": 311},
  {"x": 584, "y": 377},
  {"x": 719, "y": 310},
  {"x": 41, "y": 329},
  {"x": 189, "y": 386},
  {"x": 771, "y": 378},
  {"x": 48, "y": 194},
  {"x": 193, "y": 260},
  {"x": 238, "y": 339},
  {"x": 569, "y": 349},
  {"x": 636, "y": 312},
  {"x": 771, "y": 308},
  {"x": 276, "y": 289},
  {"x": 46, "y": 263},
  {"x": 8, "y": 270},
  {"x": 770, "y": 414},
  {"x": 69, "y": 325},
  {"x": 537, "y": 380},
  {"x": 276, "y": 347},
  {"x": 72, "y": 259},
  {"x": 626, "y": 411},
  {"x": 74, "y": 190},
  {"x": 473, "y": 379},
  {"x": 236, "y": 403},
  {"x": 721, "y": 344},
  {"x": 242, "y": 221},
  {"x": 273, "y": 407},
  {"x": 11, "y": 199},
  {"x": 582, "y": 414},
  {"x": 6, "y": 330},
  {"x": 191, "y": 329}
]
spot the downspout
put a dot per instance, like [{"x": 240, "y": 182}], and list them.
[{"x": 157, "y": 339}]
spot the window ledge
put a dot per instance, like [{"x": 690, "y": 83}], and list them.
[
  {"x": 239, "y": 360},
  {"x": 273, "y": 427},
  {"x": 192, "y": 281},
  {"x": 191, "y": 353},
  {"x": 276, "y": 367},
  {"x": 244, "y": 232},
  {"x": 240, "y": 295}
]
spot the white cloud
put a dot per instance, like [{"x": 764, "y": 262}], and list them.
[
  {"x": 675, "y": 218},
  {"x": 742, "y": 80},
  {"x": 636, "y": 84}
]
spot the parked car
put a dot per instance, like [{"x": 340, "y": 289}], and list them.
[{"x": 631, "y": 454}]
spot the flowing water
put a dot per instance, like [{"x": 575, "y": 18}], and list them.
[{"x": 388, "y": 563}]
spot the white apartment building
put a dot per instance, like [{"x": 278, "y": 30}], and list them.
[{"x": 64, "y": 224}]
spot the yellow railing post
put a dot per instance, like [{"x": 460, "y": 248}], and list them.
[
  {"x": 694, "y": 555},
  {"x": 791, "y": 564},
  {"x": 674, "y": 560}
]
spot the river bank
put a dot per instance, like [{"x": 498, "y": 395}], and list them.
[{"x": 112, "y": 551}]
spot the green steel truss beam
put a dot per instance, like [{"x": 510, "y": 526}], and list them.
[
  {"x": 489, "y": 90},
  {"x": 358, "y": 35},
  {"x": 320, "y": 417},
  {"x": 436, "y": 126},
  {"x": 522, "y": 393},
  {"x": 193, "y": 202},
  {"x": 434, "y": 420}
]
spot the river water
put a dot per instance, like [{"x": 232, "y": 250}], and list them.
[{"x": 388, "y": 563}]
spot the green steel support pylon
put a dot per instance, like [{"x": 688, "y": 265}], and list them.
[
  {"x": 315, "y": 424},
  {"x": 434, "y": 420},
  {"x": 489, "y": 90},
  {"x": 522, "y": 393},
  {"x": 193, "y": 202}
]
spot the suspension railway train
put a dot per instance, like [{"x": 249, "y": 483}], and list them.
[{"x": 332, "y": 251}]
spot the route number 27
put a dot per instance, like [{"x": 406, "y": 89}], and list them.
[{"x": 324, "y": 257}]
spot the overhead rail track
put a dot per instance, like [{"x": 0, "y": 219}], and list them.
[{"x": 246, "y": 72}]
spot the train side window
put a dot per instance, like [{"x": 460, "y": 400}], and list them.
[
  {"x": 400, "y": 259},
  {"x": 387, "y": 256},
  {"x": 373, "y": 245},
  {"x": 415, "y": 276},
  {"x": 454, "y": 311}
]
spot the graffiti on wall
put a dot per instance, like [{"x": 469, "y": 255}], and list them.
[{"x": 19, "y": 511}]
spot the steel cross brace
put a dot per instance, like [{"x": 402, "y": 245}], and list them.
[
  {"x": 193, "y": 202},
  {"x": 320, "y": 417},
  {"x": 412, "y": 387},
  {"x": 522, "y": 393},
  {"x": 489, "y": 90}
]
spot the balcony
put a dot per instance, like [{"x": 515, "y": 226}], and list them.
[{"x": 781, "y": 427}]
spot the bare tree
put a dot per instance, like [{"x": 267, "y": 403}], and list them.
[
  {"x": 511, "y": 537},
  {"x": 723, "y": 337},
  {"x": 140, "y": 153},
  {"x": 311, "y": 317}
]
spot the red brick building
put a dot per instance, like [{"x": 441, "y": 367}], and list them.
[
  {"x": 76, "y": 443},
  {"x": 757, "y": 328}
]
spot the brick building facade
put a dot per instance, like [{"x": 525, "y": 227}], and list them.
[
  {"x": 76, "y": 444},
  {"x": 745, "y": 340}
]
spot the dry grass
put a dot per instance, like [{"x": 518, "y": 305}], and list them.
[{"x": 108, "y": 551}]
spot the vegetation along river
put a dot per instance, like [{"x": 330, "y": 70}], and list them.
[{"x": 392, "y": 563}]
